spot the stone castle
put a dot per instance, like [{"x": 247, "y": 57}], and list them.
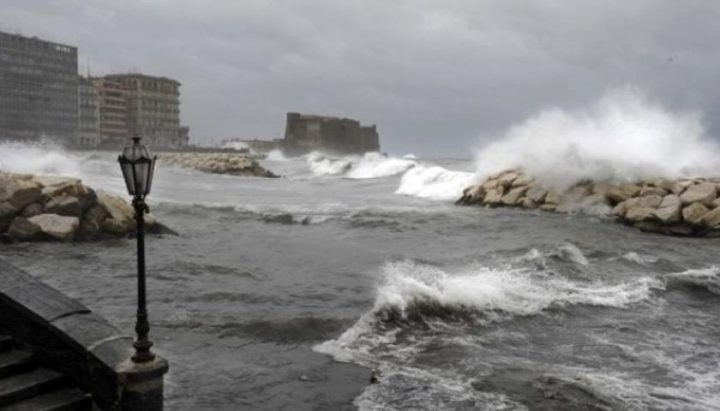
[{"x": 305, "y": 133}]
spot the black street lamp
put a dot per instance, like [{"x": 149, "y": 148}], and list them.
[{"x": 137, "y": 165}]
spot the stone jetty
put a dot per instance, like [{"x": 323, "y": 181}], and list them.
[
  {"x": 238, "y": 164},
  {"x": 685, "y": 207},
  {"x": 49, "y": 208}
]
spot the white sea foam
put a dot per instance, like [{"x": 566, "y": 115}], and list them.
[
  {"x": 436, "y": 183},
  {"x": 276, "y": 155},
  {"x": 497, "y": 292},
  {"x": 367, "y": 166},
  {"x": 621, "y": 137},
  {"x": 40, "y": 158}
]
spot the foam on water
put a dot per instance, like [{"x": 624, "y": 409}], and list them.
[
  {"x": 436, "y": 183},
  {"x": 622, "y": 137}
]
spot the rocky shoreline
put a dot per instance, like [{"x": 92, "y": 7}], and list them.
[
  {"x": 682, "y": 207},
  {"x": 237, "y": 164},
  {"x": 49, "y": 208}
]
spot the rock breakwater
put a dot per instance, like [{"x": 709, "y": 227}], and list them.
[
  {"x": 238, "y": 164},
  {"x": 685, "y": 207},
  {"x": 48, "y": 208}
]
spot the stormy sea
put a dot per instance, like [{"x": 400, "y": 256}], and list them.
[{"x": 356, "y": 282}]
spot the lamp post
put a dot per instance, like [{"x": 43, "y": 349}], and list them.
[{"x": 137, "y": 165}]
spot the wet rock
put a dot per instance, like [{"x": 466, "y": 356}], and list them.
[
  {"x": 494, "y": 196},
  {"x": 523, "y": 180},
  {"x": 637, "y": 214},
  {"x": 704, "y": 193},
  {"x": 64, "y": 205},
  {"x": 548, "y": 207},
  {"x": 217, "y": 163},
  {"x": 527, "y": 203},
  {"x": 552, "y": 197},
  {"x": 7, "y": 214},
  {"x": 23, "y": 230},
  {"x": 512, "y": 197},
  {"x": 57, "y": 227},
  {"x": 19, "y": 192},
  {"x": 711, "y": 219},
  {"x": 32, "y": 210},
  {"x": 653, "y": 191},
  {"x": 694, "y": 212},
  {"x": 652, "y": 201},
  {"x": 536, "y": 194},
  {"x": 672, "y": 213},
  {"x": 121, "y": 215}
]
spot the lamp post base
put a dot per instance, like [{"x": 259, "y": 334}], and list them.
[{"x": 143, "y": 388}]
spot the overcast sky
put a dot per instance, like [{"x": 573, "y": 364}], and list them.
[{"x": 437, "y": 77}]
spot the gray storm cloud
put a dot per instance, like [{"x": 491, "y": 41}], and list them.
[{"x": 438, "y": 77}]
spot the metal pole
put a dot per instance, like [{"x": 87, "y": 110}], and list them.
[{"x": 142, "y": 327}]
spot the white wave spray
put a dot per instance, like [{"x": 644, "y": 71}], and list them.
[
  {"x": 435, "y": 183},
  {"x": 367, "y": 166},
  {"x": 622, "y": 137},
  {"x": 40, "y": 158}
]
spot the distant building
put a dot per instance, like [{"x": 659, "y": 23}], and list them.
[
  {"x": 38, "y": 89},
  {"x": 112, "y": 107},
  {"x": 305, "y": 133},
  {"x": 153, "y": 109},
  {"x": 88, "y": 113}
]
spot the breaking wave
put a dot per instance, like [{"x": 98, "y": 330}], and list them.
[
  {"x": 370, "y": 165},
  {"x": 276, "y": 155},
  {"x": 622, "y": 137},
  {"x": 40, "y": 158},
  {"x": 435, "y": 183},
  {"x": 412, "y": 291}
]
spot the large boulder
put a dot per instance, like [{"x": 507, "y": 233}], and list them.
[
  {"x": 494, "y": 196},
  {"x": 32, "y": 210},
  {"x": 513, "y": 196},
  {"x": 19, "y": 192},
  {"x": 64, "y": 205},
  {"x": 711, "y": 219},
  {"x": 704, "y": 193},
  {"x": 536, "y": 194},
  {"x": 54, "y": 186},
  {"x": 651, "y": 201},
  {"x": 55, "y": 226},
  {"x": 121, "y": 216},
  {"x": 637, "y": 214},
  {"x": 693, "y": 213},
  {"x": 23, "y": 230},
  {"x": 92, "y": 222},
  {"x": 669, "y": 210}
]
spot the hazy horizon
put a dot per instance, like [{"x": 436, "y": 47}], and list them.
[{"x": 438, "y": 78}]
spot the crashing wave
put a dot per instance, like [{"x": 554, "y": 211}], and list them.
[
  {"x": 370, "y": 165},
  {"x": 622, "y": 137},
  {"x": 435, "y": 183},
  {"x": 40, "y": 158}
]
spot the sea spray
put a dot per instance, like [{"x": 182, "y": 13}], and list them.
[
  {"x": 38, "y": 158},
  {"x": 622, "y": 137}
]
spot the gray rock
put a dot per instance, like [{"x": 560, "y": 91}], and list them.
[
  {"x": 64, "y": 205},
  {"x": 23, "y": 230},
  {"x": 670, "y": 200},
  {"x": 32, "y": 210},
  {"x": 704, "y": 193},
  {"x": 56, "y": 227},
  {"x": 7, "y": 214},
  {"x": 523, "y": 180},
  {"x": 552, "y": 197}
]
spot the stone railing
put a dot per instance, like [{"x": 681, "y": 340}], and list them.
[{"x": 67, "y": 337}]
